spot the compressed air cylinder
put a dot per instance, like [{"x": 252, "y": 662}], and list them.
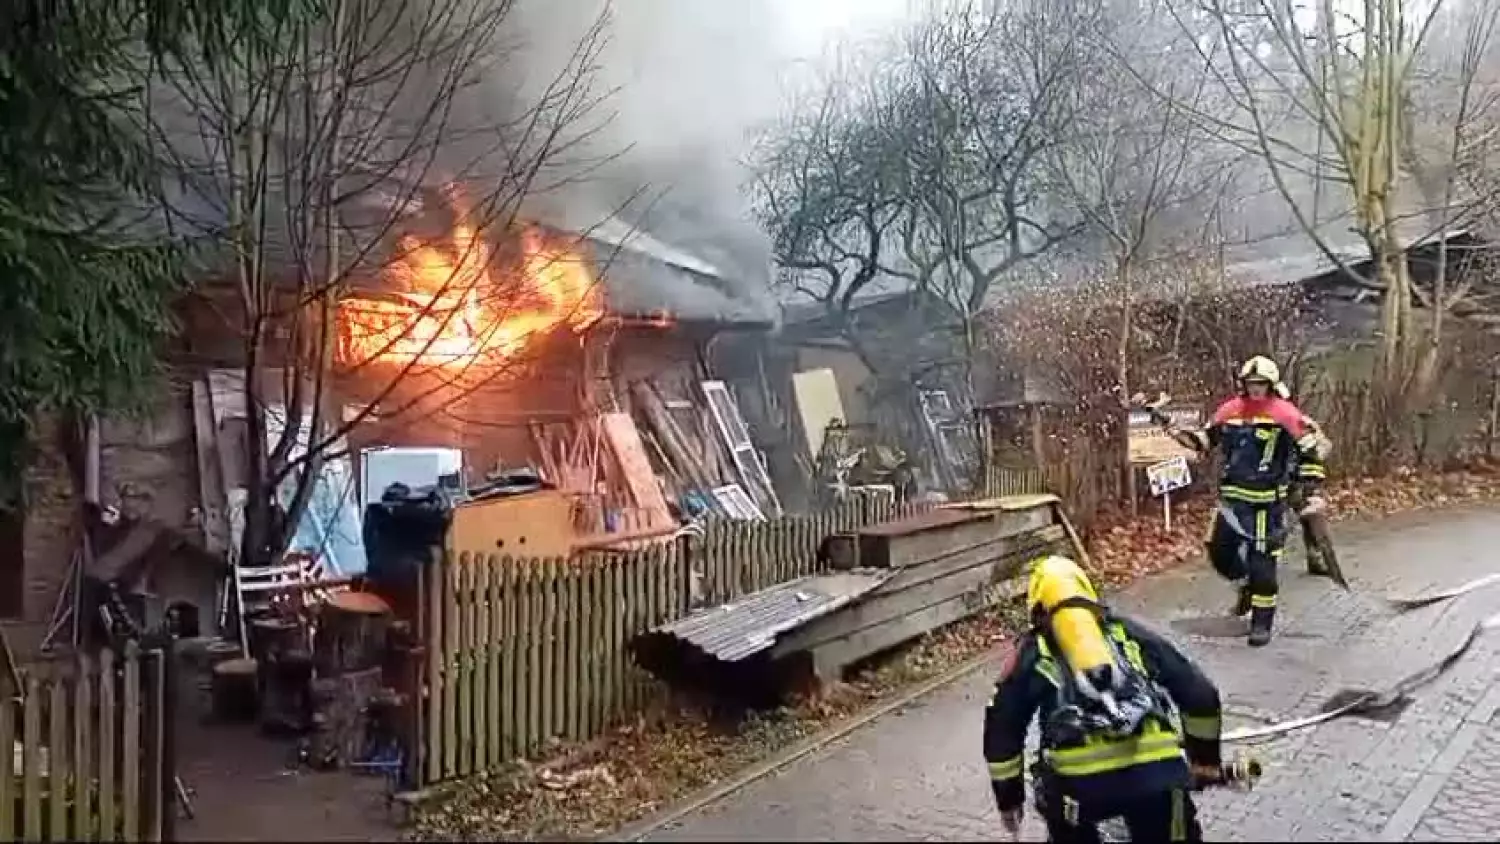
[{"x": 1076, "y": 630}]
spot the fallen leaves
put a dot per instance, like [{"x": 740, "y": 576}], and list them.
[
  {"x": 645, "y": 766},
  {"x": 1124, "y": 552},
  {"x": 1124, "y": 549}
]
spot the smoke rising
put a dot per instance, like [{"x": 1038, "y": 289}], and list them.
[{"x": 690, "y": 80}]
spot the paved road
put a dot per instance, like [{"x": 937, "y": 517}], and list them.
[{"x": 1432, "y": 775}]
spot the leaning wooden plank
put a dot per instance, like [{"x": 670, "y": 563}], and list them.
[
  {"x": 1080, "y": 551},
  {"x": 671, "y": 437},
  {"x": 210, "y": 483},
  {"x": 625, "y": 442}
]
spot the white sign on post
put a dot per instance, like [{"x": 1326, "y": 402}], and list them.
[{"x": 1165, "y": 478}]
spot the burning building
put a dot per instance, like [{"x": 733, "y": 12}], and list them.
[
  {"x": 494, "y": 348},
  {"x": 475, "y": 351}
]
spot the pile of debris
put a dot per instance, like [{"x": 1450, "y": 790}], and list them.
[{"x": 636, "y": 481}]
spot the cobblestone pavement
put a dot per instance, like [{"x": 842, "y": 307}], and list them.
[{"x": 1431, "y": 775}]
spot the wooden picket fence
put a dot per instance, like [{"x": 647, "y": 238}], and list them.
[
  {"x": 92, "y": 749},
  {"x": 524, "y": 651},
  {"x": 1002, "y": 481}
]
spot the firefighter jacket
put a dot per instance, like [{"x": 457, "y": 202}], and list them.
[
  {"x": 1154, "y": 760},
  {"x": 1266, "y": 445}
]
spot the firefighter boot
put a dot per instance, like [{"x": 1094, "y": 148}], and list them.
[
  {"x": 1313, "y": 551},
  {"x": 1261, "y": 621},
  {"x": 1241, "y": 600}
]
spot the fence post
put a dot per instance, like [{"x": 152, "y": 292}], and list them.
[
  {"x": 414, "y": 754},
  {"x": 433, "y": 576},
  {"x": 153, "y": 787},
  {"x": 166, "y": 719},
  {"x": 7, "y": 760}
]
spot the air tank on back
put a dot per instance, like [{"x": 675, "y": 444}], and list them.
[{"x": 1075, "y": 629}]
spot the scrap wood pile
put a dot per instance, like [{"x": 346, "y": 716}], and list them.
[{"x": 664, "y": 456}]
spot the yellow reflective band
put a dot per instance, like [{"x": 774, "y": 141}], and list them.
[
  {"x": 1100, "y": 758},
  {"x": 1251, "y": 496},
  {"x": 1262, "y": 525},
  {"x": 1203, "y": 726},
  {"x": 1047, "y": 668},
  {"x": 1310, "y": 470},
  {"x": 1007, "y": 770},
  {"x": 1263, "y": 601},
  {"x": 1131, "y": 647}
]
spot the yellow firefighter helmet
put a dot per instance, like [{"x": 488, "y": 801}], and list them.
[
  {"x": 1261, "y": 368},
  {"x": 1054, "y": 579}
]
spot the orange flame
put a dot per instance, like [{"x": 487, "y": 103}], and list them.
[{"x": 454, "y": 313}]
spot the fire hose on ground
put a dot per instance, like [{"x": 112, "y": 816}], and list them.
[
  {"x": 1242, "y": 774},
  {"x": 1376, "y": 701}
]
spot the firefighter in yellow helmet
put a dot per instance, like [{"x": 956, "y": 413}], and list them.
[
  {"x": 1102, "y": 688},
  {"x": 1266, "y": 441}
]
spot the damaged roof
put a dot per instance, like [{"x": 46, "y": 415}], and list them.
[
  {"x": 645, "y": 277},
  {"x": 739, "y": 629}
]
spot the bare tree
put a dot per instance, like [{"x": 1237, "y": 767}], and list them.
[
  {"x": 1452, "y": 118},
  {"x": 1135, "y": 165},
  {"x": 824, "y": 188},
  {"x": 364, "y": 176},
  {"x": 972, "y": 106},
  {"x": 1318, "y": 96}
]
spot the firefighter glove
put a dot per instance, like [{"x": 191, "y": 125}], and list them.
[{"x": 1204, "y": 775}]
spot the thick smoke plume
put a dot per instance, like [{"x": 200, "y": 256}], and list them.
[{"x": 688, "y": 81}]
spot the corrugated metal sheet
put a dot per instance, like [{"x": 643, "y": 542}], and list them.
[{"x": 733, "y": 631}]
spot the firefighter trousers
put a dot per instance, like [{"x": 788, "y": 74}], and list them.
[
  {"x": 1245, "y": 543},
  {"x": 1159, "y": 816}
]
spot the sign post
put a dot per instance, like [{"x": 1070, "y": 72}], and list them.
[{"x": 1165, "y": 478}]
